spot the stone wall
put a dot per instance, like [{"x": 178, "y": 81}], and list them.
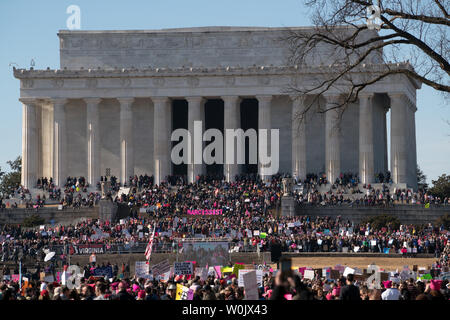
[
  {"x": 130, "y": 259},
  {"x": 406, "y": 214},
  {"x": 67, "y": 216}
]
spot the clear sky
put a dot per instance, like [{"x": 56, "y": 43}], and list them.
[{"x": 28, "y": 31}]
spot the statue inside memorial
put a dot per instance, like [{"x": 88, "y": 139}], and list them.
[{"x": 287, "y": 186}]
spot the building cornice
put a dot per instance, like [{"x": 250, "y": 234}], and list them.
[{"x": 197, "y": 72}]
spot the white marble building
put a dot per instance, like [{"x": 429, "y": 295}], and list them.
[{"x": 112, "y": 105}]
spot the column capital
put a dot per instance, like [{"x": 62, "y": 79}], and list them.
[
  {"x": 230, "y": 99},
  {"x": 366, "y": 95},
  {"x": 125, "y": 101},
  {"x": 92, "y": 101},
  {"x": 331, "y": 97},
  {"x": 58, "y": 102},
  {"x": 264, "y": 98},
  {"x": 29, "y": 101},
  {"x": 403, "y": 97},
  {"x": 194, "y": 100},
  {"x": 160, "y": 100},
  {"x": 298, "y": 97}
]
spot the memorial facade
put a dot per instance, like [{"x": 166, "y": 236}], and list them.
[{"x": 118, "y": 95}]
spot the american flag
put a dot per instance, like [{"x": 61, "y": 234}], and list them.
[{"x": 148, "y": 250}]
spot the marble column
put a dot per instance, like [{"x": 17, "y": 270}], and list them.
[
  {"x": 366, "y": 143},
  {"x": 231, "y": 121},
  {"x": 161, "y": 136},
  {"x": 332, "y": 138},
  {"x": 413, "y": 147},
  {"x": 126, "y": 140},
  {"x": 298, "y": 137},
  {"x": 403, "y": 140},
  {"x": 264, "y": 122},
  {"x": 399, "y": 156},
  {"x": 59, "y": 143},
  {"x": 29, "y": 143},
  {"x": 196, "y": 112},
  {"x": 93, "y": 140}
]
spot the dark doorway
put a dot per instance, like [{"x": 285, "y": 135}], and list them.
[
  {"x": 179, "y": 121},
  {"x": 249, "y": 120},
  {"x": 214, "y": 119}
]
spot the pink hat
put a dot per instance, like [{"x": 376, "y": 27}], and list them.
[
  {"x": 435, "y": 285},
  {"x": 135, "y": 287},
  {"x": 387, "y": 284}
]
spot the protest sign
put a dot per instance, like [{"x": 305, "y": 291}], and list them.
[
  {"x": 335, "y": 274},
  {"x": 141, "y": 269},
  {"x": 183, "y": 268},
  {"x": 218, "y": 271},
  {"x": 242, "y": 272},
  {"x": 308, "y": 274},
  {"x": 103, "y": 271},
  {"x": 250, "y": 285},
  {"x": 348, "y": 271},
  {"x": 184, "y": 293},
  {"x": 237, "y": 267},
  {"x": 160, "y": 268}
]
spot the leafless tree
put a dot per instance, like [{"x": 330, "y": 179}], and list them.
[{"x": 411, "y": 40}]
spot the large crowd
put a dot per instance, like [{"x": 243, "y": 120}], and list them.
[
  {"x": 247, "y": 223},
  {"x": 284, "y": 285}
]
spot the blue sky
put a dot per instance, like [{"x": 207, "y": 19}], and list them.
[{"x": 28, "y": 31}]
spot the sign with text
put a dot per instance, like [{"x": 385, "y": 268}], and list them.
[
  {"x": 141, "y": 269},
  {"x": 161, "y": 268},
  {"x": 242, "y": 272},
  {"x": 183, "y": 268},
  {"x": 87, "y": 249}
]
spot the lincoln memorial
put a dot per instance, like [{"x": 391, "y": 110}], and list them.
[{"x": 118, "y": 95}]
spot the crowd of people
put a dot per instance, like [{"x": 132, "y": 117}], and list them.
[
  {"x": 284, "y": 285},
  {"x": 296, "y": 234},
  {"x": 247, "y": 223}
]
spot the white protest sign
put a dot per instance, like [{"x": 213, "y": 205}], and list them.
[
  {"x": 183, "y": 268},
  {"x": 259, "y": 276},
  {"x": 250, "y": 285},
  {"x": 73, "y": 277},
  {"x": 141, "y": 269},
  {"x": 348, "y": 271},
  {"x": 376, "y": 276},
  {"x": 308, "y": 274}
]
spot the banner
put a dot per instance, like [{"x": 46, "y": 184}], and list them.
[
  {"x": 87, "y": 249},
  {"x": 183, "y": 268}
]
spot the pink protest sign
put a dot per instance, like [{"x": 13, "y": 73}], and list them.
[{"x": 218, "y": 272}]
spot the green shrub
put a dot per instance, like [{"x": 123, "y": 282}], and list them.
[
  {"x": 444, "y": 220},
  {"x": 33, "y": 221},
  {"x": 382, "y": 221}
]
